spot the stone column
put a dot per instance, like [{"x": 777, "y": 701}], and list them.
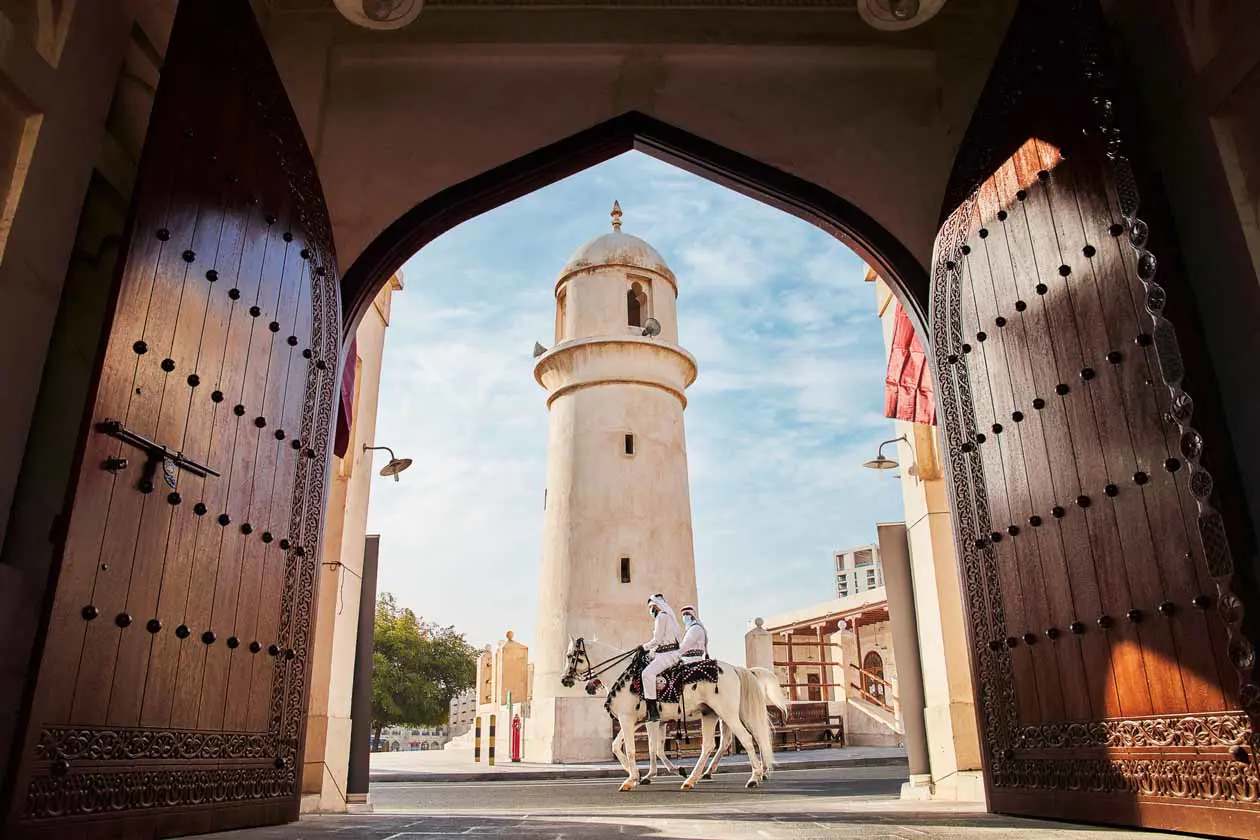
[
  {"x": 894, "y": 554},
  {"x": 759, "y": 647},
  {"x": 361, "y": 700}
]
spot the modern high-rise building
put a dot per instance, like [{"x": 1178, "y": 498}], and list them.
[{"x": 857, "y": 570}]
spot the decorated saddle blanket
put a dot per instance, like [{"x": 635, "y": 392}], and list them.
[{"x": 672, "y": 681}]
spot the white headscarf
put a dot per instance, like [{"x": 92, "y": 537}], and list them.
[{"x": 663, "y": 606}]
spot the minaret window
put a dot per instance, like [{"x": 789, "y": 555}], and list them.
[
  {"x": 625, "y": 569},
  {"x": 629, "y": 444},
  {"x": 636, "y": 303},
  {"x": 562, "y": 310}
]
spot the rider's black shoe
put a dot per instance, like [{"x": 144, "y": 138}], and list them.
[{"x": 653, "y": 712}]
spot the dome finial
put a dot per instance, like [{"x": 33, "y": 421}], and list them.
[{"x": 616, "y": 216}]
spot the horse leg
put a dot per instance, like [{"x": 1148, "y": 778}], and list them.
[
  {"x": 628, "y": 726},
  {"x": 653, "y": 749},
  {"x": 748, "y": 742},
  {"x": 724, "y": 746},
  {"x": 658, "y": 752},
  {"x": 708, "y": 723},
  {"x": 619, "y": 750}
]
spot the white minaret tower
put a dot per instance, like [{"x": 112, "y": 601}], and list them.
[{"x": 617, "y": 519}]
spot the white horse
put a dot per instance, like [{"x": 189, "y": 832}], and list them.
[{"x": 737, "y": 698}]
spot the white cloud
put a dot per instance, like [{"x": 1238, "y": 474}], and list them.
[{"x": 787, "y": 406}]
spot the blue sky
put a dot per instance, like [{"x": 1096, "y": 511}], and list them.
[{"x": 787, "y": 405}]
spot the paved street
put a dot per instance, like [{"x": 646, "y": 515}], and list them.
[{"x": 795, "y": 805}]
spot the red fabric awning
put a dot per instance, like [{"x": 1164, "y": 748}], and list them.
[
  {"x": 908, "y": 391},
  {"x": 345, "y": 413}
]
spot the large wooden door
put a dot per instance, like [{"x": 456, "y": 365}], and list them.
[
  {"x": 172, "y": 680},
  {"x": 1108, "y": 645}
]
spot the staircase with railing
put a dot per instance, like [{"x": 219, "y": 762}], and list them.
[{"x": 875, "y": 697}]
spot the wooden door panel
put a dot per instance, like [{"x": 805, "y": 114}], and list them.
[
  {"x": 1107, "y": 641},
  {"x": 188, "y": 295},
  {"x": 172, "y": 681},
  {"x": 1061, "y": 676}
]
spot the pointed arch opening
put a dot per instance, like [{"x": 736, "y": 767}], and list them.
[{"x": 634, "y": 131}]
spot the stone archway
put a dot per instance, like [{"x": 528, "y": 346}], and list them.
[{"x": 634, "y": 131}]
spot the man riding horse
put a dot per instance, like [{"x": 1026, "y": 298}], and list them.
[
  {"x": 695, "y": 643},
  {"x": 664, "y": 649}
]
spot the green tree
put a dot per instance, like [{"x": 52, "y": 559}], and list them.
[{"x": 417, "y": 668}]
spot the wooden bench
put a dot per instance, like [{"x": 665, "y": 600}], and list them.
[{"x": 808, "y": 726}]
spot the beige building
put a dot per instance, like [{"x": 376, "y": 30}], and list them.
[
  {"x": 835, "y": 660},
  {"x": 325, "y": 765},
  {"x": 462, "y": 711},
  {"x": 617, "y": 519},
  {"x": 413, "y": 739}
]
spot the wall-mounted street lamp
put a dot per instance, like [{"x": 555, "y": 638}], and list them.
[
  {"x": 879, "y": 462},
  {"x": 395, "y": 465}
]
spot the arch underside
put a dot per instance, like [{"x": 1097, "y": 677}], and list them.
[{"x": 634, "y": 131}]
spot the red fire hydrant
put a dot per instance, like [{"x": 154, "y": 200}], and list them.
[{"x": 516, "y": 737}]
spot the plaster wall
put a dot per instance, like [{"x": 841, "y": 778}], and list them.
[
  {"x": 747, "y": 81},
  {"x": 949, "y": 713},
  {"x": 326, "y": 761}
]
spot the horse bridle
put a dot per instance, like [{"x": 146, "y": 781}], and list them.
[{"x": 592, "y": 673}]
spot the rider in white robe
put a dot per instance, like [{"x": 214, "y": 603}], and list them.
[
  {"x": 695, "y": 643},
  {"x": 664, "y": 649}
]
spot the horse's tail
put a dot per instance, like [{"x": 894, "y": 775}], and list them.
[
  {"x": 754, "y": 713},
  {"x": 770, "y": 685}
]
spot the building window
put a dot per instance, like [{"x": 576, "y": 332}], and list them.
[
  {"x": 625, "y": 569},
  {"x": 562, "y": 311},
  {"x": 870, "y": 577},
  {"x": 629, "y": 444},
  {"x": 863, "y": 557},
  {"x": 544, "y": 498},
  {"x": 873, "y": 675},
  {"x": 636, "y": 303}
]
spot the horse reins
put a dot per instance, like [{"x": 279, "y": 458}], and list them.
[{"x": 593, "y": 671}]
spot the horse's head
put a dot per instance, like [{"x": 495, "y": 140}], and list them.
[{"x": 577, "y": 661}]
